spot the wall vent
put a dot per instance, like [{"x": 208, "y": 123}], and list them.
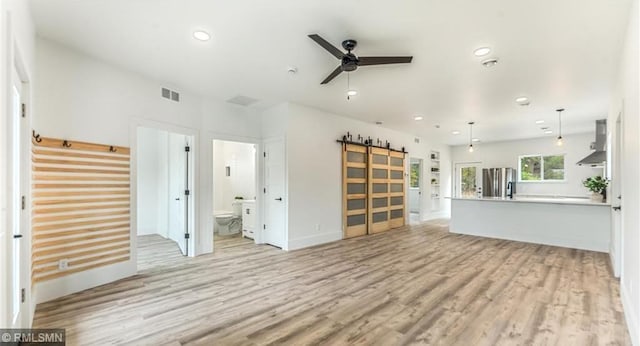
[
  {"x": 242, "y": 100},
  {"x": 170, "y": 95}
]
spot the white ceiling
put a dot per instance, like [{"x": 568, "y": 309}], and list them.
[{"x": 558, "y": 53}]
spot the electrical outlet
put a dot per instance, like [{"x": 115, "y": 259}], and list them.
[
  {"x": 63, "y": 264},
  {"x": 317, "y": 227}
]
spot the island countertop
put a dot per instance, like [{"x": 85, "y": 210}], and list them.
[
  {"x": 540, "y": 199},
  {"x": 577, "y": 223}
]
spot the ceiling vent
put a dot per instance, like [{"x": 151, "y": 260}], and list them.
[
  {"x": 242, "y": 100},
  {"x": 170, "y": 95}
]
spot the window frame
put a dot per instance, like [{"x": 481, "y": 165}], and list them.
[{"x": 542, "y": 179}]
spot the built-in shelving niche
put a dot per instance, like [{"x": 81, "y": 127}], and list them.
[{"x": 373, "y": 189}]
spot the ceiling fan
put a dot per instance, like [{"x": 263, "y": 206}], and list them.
[{"x": 350, "y": 62}]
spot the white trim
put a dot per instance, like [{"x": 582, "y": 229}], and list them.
[
  {"x": 52, "y": 289},
  {"x": 442, "y": 214},
  {"x": 630, "y": 317},
  {"x": 542, "y": 180},
  {"x": 316, "y": 239}
]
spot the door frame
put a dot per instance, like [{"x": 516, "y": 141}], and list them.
[
  {"x": 16, "y": 69},
  {"x": 194, "y": 223},
  {"x": 617, "y": 189},
  {"x": 456, "y": 175},
  {"x": 285, "y": 245},
  {"x": 421, "y": 183},
  {"x": 257, "y": 180}
]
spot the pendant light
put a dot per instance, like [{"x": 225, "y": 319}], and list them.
[
  {"x": 559, "y": 141},
  {"x": 471, "y": 136}
]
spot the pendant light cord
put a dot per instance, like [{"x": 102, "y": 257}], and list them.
[{"x": 348, "y": 85}]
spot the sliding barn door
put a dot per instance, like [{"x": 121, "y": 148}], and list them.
[
  {"x": 397, "y": 189},
  {"x": 354, "y": 187},
  {"x": 373, "y": 185},
  {"x": 378, "y": 190}
]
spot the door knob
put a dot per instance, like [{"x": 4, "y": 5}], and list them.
[
  {"x": 618, "y": 208},
  {"x": 16, "y": 236},
  {"x": 279, "y": 199}
]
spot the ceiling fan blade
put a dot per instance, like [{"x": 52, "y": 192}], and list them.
[
  {"x": 328, "y": 46},
  {"x": 383, "y": 60},
  {"x": 333, "y": 75}
]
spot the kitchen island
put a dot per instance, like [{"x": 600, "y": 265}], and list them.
[{"x": 568, "y": 222}]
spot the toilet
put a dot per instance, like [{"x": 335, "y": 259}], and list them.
[{"x": 230, "y": 223}]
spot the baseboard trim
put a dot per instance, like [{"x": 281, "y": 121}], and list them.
[
  {"x": 317, "y": 239},
  {"x": 630, "y": 317},
  {"x": 438, "y": 215},
  {"x": 52, "y": 289}
]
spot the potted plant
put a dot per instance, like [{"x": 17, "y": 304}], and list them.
[{"x": 598, "y": 186}]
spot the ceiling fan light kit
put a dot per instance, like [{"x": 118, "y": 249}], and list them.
[{"x": 349, "y": 62}]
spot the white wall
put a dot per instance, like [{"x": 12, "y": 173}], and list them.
[
  {"x": 240, "y": 157},
  {"x": 315, "y": 174},
  {"x": 153, "y": 181},
  {"x": 505, "y": 154},
  {"x": 625, "y": 100},
  {"x": 85, "y": 99}
]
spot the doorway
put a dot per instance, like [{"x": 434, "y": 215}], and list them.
[
  {"x": 415, "y": 190},
  {"x": 468, "y": 177},
  {"x": 235, "y": 211},
  {"x": 165, "y": 195}
]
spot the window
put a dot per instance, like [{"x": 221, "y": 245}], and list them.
[
  {"x": 415, "y": 175},
  {"x": 542, "y": 168}
]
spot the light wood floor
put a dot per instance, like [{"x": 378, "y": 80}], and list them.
[{"x": 417, "y": 285}]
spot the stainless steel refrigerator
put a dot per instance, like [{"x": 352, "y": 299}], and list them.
[{"x": 499, "y": 182}]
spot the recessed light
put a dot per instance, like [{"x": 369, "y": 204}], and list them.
[
  {"x": 539, "y": 122},
  {"x": 455, "y": 132},
  {"x": 417, "y": 118},
  {"x": 548, "y": 132},
  {"x": 482, "y": 51},
  {"x": 523, "y": 101},
  {"x": 352, "y": 92},
  {"x": 491, "y": 62},
  {"x": 201, "y": 35},
  {"x": 476, "y": 140}
]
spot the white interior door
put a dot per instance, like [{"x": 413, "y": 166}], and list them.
[
  {"x": 415, "y": 185},
  {"x": 616, "y": 199},
  {"x": 275, "y": 210},
  {"x": 177, "y": 186},
  {"x": 17, "y": 257},
  {"x": 468, "y": 177}
]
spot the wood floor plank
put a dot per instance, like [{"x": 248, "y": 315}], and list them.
[{"x": 416, "y": 285}]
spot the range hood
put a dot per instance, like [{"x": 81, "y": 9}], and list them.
[{"x": 599, "y": 156}]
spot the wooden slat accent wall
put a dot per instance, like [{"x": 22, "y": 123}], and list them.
[{"x": 80, "y": 207}]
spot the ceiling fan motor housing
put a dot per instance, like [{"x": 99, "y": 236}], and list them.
[{"x": 349, "y": 62}]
